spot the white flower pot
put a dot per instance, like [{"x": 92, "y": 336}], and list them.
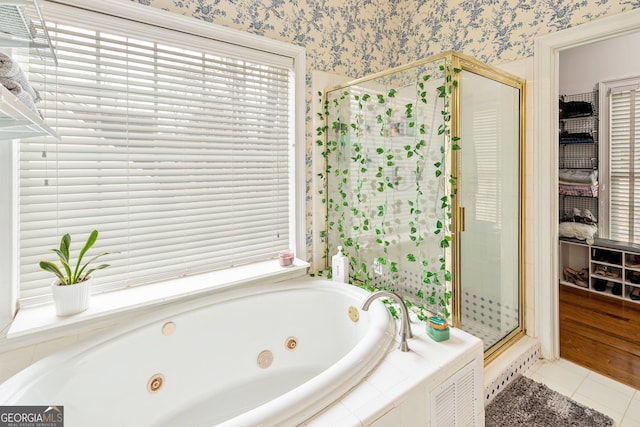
[{"x": 71, "y": 299}]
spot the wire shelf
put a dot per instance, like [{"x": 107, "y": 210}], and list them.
[
  {"x": 578, "y": 139},
  {"x": 22, "y": 26},
  {"x": 579, "y": 156},
  {"x": 579, "y": 105},
  {"x": 568, "y": 203}
]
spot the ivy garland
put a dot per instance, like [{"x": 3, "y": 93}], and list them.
[{"x": 349, "y": 205}]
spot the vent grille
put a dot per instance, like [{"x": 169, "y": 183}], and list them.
[{"x": 454, "y": 402}]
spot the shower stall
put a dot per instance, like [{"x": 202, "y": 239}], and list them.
[{"x": 424, "y": 171}]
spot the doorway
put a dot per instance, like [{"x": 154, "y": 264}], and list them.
[
  {"x": 585, "y": 310},
  {"x": 545, "y": 173}
]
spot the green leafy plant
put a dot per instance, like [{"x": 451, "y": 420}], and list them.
[{"x": 68, "y": 274}]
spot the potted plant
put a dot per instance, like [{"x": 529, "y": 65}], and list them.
[{"x": 72, "y": 285}]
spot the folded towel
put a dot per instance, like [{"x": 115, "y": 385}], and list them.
[
  {"x": 18, "y": 91},
  {"x": 11, "y": 69},
  {"x": 575, "y": 138},
  {"x": 575, "y": 109},
  {"x": 8, "y": 67},
  {"x": 582, "y": 190},
  {"x": 578, "y": 176},
  {"x": 13, "y": 86},
  {"x": 578, "y": 231}
]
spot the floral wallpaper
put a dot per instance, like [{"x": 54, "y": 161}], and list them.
[
  {"x": 358, "y": 37},
  {"x": 352, "y": 37},
  {"x": 493, "y": 31}
]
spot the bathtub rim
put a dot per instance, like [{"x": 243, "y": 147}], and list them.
[
  {"x": 364, "y": 360},
  {"x": 38, "y": 323}
]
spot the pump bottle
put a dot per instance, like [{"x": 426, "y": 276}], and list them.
[{"x": 340, "y": 267}]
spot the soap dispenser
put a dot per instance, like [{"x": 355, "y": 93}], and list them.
[{"x": 340, "y": 267}]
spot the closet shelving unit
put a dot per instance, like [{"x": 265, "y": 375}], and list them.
[
  {"x": 22, "y": 28},
  {"x": 578, "y": 141},
  {"x": 613, "y": 267}
]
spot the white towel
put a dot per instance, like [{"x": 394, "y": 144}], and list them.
[
  {"x": 18, "y": 91},
  {"x": 8, "y": 67},
  {"x": 578, "y": 176},
  {"x": 11, "y": 69}
]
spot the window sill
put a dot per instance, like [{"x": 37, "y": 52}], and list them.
[{"x": 32, "y": 322}]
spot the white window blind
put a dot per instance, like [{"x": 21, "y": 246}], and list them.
[
  {"x": 624, "y": 165},
  {"x": 175, "y": 148},
  {"x": 487, "y": 150}
]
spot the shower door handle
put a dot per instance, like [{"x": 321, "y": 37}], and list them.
[{"x": 460, "y": 221}]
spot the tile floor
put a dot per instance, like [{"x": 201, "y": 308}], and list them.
[{"x": 619, "y": 401}]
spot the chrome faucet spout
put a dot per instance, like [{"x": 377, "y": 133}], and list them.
[{"x": 405, "y": 325}]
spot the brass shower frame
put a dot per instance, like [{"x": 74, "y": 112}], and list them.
[
  {"x": 472, "y": 65},
  {"x": 462, "y": 62}
]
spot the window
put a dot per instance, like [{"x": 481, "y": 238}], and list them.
[
  {"x": 621, "y": 160},
  {"x": 177, "y": 148}
]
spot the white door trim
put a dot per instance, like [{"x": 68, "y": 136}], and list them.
[{"x": 545, "y": 164}]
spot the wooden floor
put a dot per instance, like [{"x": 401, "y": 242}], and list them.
[{"x": 601, "y": 334}]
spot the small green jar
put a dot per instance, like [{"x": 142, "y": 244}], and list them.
[{"x": 437, "y": 328}]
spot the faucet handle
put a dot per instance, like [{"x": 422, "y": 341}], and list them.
[{"x": 405, "y": 324}]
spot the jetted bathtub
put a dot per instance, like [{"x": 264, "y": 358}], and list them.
[{"x": 261, "y": 356}]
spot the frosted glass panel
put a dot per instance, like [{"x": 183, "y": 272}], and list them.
[
  {"x": 489, "y": 189},
  {"x": 386, "y": 180}
]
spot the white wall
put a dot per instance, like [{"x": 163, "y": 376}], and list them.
[
  {"x": 8, "y": 232},
  {"x": 581, "y": 68}
]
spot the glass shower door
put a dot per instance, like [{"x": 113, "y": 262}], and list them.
[{"x": 489, "y": 189}]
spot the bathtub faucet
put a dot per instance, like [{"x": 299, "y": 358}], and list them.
[{"x": 405, "y": 326}]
